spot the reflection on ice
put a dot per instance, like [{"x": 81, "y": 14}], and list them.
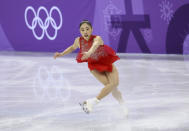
[{"x": 51, "y": 85}]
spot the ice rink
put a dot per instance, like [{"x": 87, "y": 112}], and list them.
[{"x": 39, "y": 93}]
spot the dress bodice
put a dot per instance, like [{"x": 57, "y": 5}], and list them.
[{"x": 86, "y": 45}]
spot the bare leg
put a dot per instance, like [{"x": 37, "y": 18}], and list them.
[
  {"x": 110, "y": 80},
  {"x": 115, "y": 92},
  {"x": 117, "y": 95},
  {"x": 100, "y": 76}
]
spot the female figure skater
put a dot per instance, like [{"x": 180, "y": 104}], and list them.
[{"x": 100, "y": 60}]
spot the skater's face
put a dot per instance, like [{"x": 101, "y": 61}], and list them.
[{"x": 86, "y": 31}]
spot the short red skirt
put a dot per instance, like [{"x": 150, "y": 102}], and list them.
[{"x": 101, "y": 59}]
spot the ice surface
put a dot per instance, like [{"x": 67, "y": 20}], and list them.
[{"x": 38, "y": 93}]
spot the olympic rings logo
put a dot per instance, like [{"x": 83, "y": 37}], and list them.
[
  {"x": 50, "y": 85},
  {"x": 43, "y": 24}
]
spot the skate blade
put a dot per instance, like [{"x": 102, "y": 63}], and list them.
[{"x": 84, "y": 108}]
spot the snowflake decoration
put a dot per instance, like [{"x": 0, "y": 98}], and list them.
[
  {"x": 147, "y": 33},
  {"x": 166, "y": 10},
  {"x": 111, "y": 9}
]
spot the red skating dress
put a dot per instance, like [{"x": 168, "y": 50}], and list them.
[{"x": 101, "y": 59}]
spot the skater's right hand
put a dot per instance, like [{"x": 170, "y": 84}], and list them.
[{"x": 57, "y": 54}]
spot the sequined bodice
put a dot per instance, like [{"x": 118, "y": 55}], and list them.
[{"x": 86, "y": 45}]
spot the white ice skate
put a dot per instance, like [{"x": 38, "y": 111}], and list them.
[
  {"x": 87, "y": 105},
  {"x": 124, "y": 109},
  {"x": 87, "y": 108}
]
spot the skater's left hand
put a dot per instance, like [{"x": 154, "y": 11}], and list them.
[{"x": 85, "y": 55}]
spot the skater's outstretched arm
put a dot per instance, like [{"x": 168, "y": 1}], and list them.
[
  {"x": 97, "y": 42},
  {"x": 69, "y": 49}
]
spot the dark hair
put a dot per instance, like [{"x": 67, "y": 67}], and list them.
[{"x": 85, "y": 21}]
